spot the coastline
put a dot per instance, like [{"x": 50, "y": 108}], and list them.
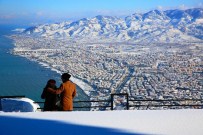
[
  {"x": 83, "y": 86},
  {"x": 28, "y": 76}
]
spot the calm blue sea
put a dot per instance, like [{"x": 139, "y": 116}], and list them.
[{"x": 19, "y": 76}]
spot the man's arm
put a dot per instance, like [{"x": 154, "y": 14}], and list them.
[{"x": 58, "y": 91}]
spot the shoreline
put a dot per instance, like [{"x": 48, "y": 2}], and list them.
[{"x": 83, "y": 86}]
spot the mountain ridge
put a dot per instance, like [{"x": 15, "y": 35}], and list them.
[{"x": 153, "y": 26}]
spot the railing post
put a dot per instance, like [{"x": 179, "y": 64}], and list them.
[
  {"x": 112, "y": 101},
  {"x": 127, "y": 101}
]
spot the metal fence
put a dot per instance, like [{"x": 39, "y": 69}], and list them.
[
  {"x": 170, "y": 103},
  {"x": 129, "y": 103},
  {"x": 124, "y": 101}
]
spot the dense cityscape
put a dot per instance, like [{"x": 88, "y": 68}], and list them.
[{"x": 148, "y": 71}]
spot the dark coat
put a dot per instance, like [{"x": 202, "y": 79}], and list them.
[{"x": 50, "y": 100}]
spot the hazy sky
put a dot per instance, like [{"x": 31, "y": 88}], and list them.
[{"x": 42, "y": 11}]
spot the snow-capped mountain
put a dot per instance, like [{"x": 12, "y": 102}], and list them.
[{"x": 153, "y": 26}]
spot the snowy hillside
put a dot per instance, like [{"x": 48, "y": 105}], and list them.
[{"x": 153, "y": 26}]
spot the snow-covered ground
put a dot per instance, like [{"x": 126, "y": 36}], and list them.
[
  {"x": 20, "y": 117},
  {"x": 18, "y": 105},
  {"x": 166, "y": 122}
]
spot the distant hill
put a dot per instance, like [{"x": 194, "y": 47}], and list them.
[{"x": 154, "y": 26}]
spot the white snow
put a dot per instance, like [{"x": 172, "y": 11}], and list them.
[
  {"x": 149, "y": 27},
  {"x": 166, "y": 122},
  {"x": 199, "y": 21},
  {"x": 18, "y": 30},
  {"x": 18, "y": 105},
  {"x": 26, "y": 121}
]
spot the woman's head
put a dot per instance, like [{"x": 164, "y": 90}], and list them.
[
  {"x": 65, "y": 77},
  {"x": 51, "y": 82}
]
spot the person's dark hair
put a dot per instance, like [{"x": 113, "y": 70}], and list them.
[
  {"x": 65, "y": 77},
  {"x": 49, "y": 82}
]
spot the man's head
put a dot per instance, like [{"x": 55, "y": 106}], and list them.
[{"x": 65, "y": 77}]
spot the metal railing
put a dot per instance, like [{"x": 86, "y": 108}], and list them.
[
  {"x": 137, "y": 103},
  {"x": 168, "y": 103},
  {"x": 87, "y": 107},
  {"x": 129, "y": 102}
]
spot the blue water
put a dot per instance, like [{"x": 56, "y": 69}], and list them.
[{"x": 19, "y": 76}]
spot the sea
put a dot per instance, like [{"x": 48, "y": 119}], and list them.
[{"x": 20, "y": 76}]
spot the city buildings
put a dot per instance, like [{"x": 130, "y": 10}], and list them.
[{"x": 144, "y": 71}]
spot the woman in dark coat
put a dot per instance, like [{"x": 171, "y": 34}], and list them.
[{"x": 50, "y": 98}]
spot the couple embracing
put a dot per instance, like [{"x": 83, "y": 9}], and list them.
[{"x": 66, "y": 92}]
